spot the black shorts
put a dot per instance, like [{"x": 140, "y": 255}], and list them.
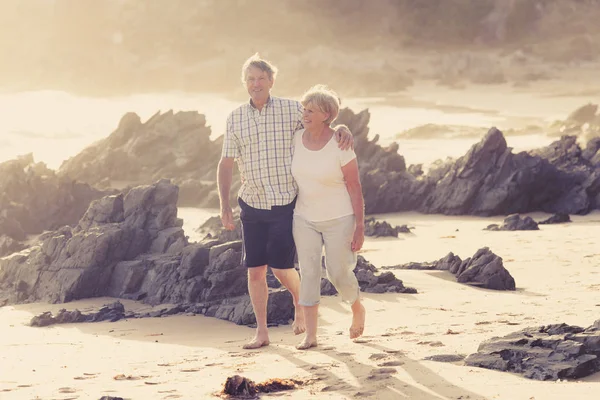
[{"x": 267, "y": 236}]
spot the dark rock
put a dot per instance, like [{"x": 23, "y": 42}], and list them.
[
  {"x": 213, "y": 227},
  {"x": 34, "y": 199},
  {"x": 327, "y": 288},
  {"x": 112, "y": 312},
  {"x": 131, "y": 245},
  {"x": 515, "y": 223},
  {"x": 556, "y": 219},
  {"x": 8, "y": 245},
  {"x": 446, "y": 358},
  {"x": 371, "y": 282},
  {"x": 383, "y": 228},
  {"x": 168, "y": 145},
  {"x": 484, "y": 269},
  {"x": 549, "y": 352}
]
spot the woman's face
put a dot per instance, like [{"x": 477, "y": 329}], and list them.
[{"x": 312, "y": 116}]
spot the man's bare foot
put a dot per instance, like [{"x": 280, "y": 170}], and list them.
[
  {"x": 358, "y": 321},
  {"x": 299, "y": 326},
  {"x": 260, "y": 340},
  {"x": 306, "y": 344}
]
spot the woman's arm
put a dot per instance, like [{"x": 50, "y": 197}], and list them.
[{"x": 352, "y": 179}]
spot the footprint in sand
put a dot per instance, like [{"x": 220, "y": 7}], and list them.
[
  {"x": 396, "y": 363},
  {"x": 123, "y": 377},
  {"x": 432, "y": 344},
  {"x": 86, "y": 375},
  {"x": 381, "y": 373},
  {"x": 338, "y": 386},
  {"x": 378, "y": 356}
]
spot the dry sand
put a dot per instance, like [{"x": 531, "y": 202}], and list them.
[{"x": 557, "y": 270}]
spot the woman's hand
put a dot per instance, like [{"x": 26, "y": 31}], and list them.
[{"x": 358, "y": 239}]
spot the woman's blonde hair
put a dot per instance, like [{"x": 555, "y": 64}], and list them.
[{"x": 326, "y": 99}]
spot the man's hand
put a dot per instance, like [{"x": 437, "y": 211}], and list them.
[
  {"x": 344, "y": 137},
  {"x": 227, "y": 218},
  {"x": 358, "y": 239}
]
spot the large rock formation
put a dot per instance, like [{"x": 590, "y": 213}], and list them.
[
  {"x": 491, "y": 180},
  {"x": 133, "y": 246},
  {"x": 485, "y": 269},
  {"x": 34, "y": 199},
  {"x": 170, "y": 145},
  {"x": 515, "y": 223},
  {"x": 488, "y": 180},
  {"x": 549, "y": 352}
]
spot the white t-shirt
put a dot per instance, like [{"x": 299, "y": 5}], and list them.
[{"x": 322, "y": 193}]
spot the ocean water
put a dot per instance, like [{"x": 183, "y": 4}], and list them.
[{"x": 56, "y": 125}]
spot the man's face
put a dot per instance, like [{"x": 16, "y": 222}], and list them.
[{"x": 258, "y": 84}]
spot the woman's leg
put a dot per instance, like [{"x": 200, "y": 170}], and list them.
[
  {"x": 309, "y": 244},
  {"x": 311, "y": 317},
  {"x": 340, "y": 262}
]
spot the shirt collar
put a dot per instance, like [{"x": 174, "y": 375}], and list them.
[{"x": 268, "y": 104}]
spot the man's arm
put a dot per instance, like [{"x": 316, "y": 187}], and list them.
[
  {"x": 344, "y": 137},
  {"x": 224, "y": 178}
]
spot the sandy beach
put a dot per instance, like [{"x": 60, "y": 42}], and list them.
[{"x": 557, "y": 274}]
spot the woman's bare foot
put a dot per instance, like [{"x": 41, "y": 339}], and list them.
[
  {"x": 358, "y": 320},
  {"x": 299, "y": 326},
  {"x": 306, "y": 344},
  {"x": 260, "y": 340}
]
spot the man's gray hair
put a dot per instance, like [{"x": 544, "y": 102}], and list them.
[
  {"x": 326, "y": 99},
  {"x": 260, "y": 63}
]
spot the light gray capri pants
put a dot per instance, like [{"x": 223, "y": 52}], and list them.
[{"x": 336, "y": 236}]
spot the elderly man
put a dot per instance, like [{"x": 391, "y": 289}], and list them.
[{"x": 259, "y": 137}]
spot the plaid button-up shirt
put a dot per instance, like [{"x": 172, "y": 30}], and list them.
[{"x": 262, "y": 144}]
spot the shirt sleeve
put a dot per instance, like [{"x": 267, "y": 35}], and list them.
[
  {"x": 299, "y": 122},
  {"x": 346, "y": 156},
  {"x": 230, "y": 148}
]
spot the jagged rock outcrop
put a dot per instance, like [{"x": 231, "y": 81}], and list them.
[
  {"x": 556, "y": 219},
  {"x": 133, "y": 246},
  {"x": 515, "y": 223},
  {"x": 213, "y": 228},
  {"x": 169, "y": 145},
  {"x": 34, "y": 199},
  {"x": 111, "y": 312},
  {"x": 488, "y": 180},
  {"x": 383, "y": 228},
  {"x": 370, "y": 280},
  {"x": 8, "y": 245},
  {"x": 491, "y": 180},
  {"x": 485, "y": 269},
  {"x": 550, "y": 352}
]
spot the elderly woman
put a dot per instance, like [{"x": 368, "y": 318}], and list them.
[{"x": 329, "y": 212}]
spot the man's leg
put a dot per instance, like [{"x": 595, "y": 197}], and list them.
[
  {"x": 259, "y": 295},
  {"x": 255, "y": 236},
  {"x": 290, "y": 279}
]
